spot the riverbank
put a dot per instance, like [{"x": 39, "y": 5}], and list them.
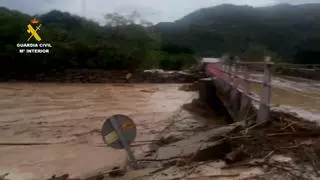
[{"x": 101, "y": 76}]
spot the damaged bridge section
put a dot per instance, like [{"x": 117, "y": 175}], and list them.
[{"x": 229, "y": 85}]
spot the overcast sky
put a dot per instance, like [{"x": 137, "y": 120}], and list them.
[{"x": 152, "y": 10}]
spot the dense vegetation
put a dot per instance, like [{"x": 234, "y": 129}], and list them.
[
  {"x": 83, "y": 44},
  {"x": 288, "y": 33}
]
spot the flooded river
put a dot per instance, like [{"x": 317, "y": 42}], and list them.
[{"x": 69, "y": 117}]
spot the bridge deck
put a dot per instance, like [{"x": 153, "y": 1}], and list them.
[
  {"x": 293, "y": 93},
  {"x": 286, "y": 91}
]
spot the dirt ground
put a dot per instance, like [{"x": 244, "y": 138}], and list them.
[{"x": 69, "y": 117}]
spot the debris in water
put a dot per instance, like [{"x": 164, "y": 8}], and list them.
[
  {"x": 2, "y": 177},
  {"x": 190, "y": 87},
  {"x": 116, "y": 172},
  {"x": 66, "y": 177}
]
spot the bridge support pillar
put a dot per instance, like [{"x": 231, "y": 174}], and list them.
[{"x": 265, "y": 99}]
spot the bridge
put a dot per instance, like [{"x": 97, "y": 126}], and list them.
[{"x": 251, "y": 90}]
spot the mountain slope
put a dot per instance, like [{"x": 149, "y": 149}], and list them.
[{"x": 282, "y": 29}]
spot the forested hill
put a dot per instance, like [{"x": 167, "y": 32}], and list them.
[
  {"x": 123, "y": 44},
  {"x": 287, "y": 32}
]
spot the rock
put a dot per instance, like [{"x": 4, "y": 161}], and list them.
[{"x": 234, "y": 156}]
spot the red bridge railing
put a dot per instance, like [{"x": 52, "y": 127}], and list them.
[{"x": 237, "y": 76}]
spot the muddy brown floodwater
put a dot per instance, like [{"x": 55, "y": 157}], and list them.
[{"x": 69, "y": 117}]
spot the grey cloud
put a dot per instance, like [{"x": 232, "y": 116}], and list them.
[{"x": 298, "y": 1}]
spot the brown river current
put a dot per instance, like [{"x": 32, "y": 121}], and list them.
[{"x": 69, "y": 117}]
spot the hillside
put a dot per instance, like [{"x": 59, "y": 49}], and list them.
[
  {"x": 289, "y": 32},
  {"x": 79, "y": 43},
  {"x": 286, "y": 32}
]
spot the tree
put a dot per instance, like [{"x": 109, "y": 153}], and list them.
[
  {"x": 116, "y": 20},
  {"x": 254, "y": 52}
]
